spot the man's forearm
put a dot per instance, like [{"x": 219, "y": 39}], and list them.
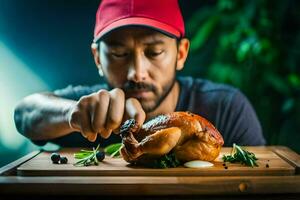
[{"x": 43, "y": 116}]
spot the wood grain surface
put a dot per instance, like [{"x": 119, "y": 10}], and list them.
[{"x": 278, "y": 165}]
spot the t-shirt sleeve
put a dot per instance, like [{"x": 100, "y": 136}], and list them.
[{"x": 240, "y": 122}]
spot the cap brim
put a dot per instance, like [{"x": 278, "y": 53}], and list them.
[{"x": 139, "y": 21}]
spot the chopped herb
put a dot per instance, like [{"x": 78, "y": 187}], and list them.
[
  {"x": 86, "y": 157},
  {"x": 238, "y": 154},
  {"x": 167, "y": 161}
]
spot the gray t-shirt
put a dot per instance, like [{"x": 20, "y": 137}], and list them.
[{"x": 224, "y": 106}]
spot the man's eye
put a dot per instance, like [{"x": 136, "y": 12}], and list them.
[
  {"x": 119, "y": 55},
  {"x": 154, "y": 53}
]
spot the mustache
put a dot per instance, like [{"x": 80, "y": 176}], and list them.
[{"x": 130, "y": 85}]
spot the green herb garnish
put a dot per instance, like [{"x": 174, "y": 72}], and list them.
[
  {"x": 91, "y": 157},
  {"x": 87, "y": 158},
  {"x": 113, "y": 149},
  {"x": 167, "y": 161},
  {"x": 238, "y": 154}
]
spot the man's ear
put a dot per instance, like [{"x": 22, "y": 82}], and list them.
[
  {"x": 183, "y": 50},
  {"x": 95, "y": 51},
  {"x": 94, "y": 48}
]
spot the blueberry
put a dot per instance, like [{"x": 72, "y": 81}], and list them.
[
  {"x": 100, "y": 155},
  {"x": 63, "y": 160},
  {"x": 55, "y": 157}
]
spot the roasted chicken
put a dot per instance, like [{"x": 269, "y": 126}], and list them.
[{"x": 189, "y": 136}]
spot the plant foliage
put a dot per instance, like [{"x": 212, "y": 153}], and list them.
[{"x": 254, "y": 46}]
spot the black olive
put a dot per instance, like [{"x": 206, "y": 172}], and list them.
[
  {"x": 63, "y": 160},
  {"x": 100, "y": 155},
  {"x": 55, "y": 157}
]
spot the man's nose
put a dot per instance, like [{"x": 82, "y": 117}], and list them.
[{"x": 137, "y": 71}]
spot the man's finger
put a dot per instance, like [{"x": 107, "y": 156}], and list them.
[
  {"x": 100, "y": 111},
  {"x": 134, "y": 110},
  {"x": 116, "y": 109},
  {"x": 105, "y": 133}
]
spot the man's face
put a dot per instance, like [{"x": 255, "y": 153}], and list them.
[{"x": 140, "y": 61}]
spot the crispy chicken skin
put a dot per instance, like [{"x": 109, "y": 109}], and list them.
[{"x": 189, "y": 136}]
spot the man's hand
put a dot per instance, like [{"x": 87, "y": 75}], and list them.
[{"x": 103, "y": 112}]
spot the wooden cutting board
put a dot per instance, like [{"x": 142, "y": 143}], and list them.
[{"x": 270, "y": 163}]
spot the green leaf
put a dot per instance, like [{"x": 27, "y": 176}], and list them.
[
  {"x": 243, "y": 51},
  {"x": 294, "y": 80},
  {"x": 113, "y": 149},
  {"x": 199, "y": 17},
  {"x": 288, "y": 105},
  {"x": 226, "y": 5},
  {"x": 203, "y": 32}
]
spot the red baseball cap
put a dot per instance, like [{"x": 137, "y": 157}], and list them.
[{"x": 162, "y": 15}]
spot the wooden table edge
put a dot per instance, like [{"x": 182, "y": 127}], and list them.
[
  {"x": 149, "y": 186},
  {"x": 11, "y": 167},
  {"x": 288, "y": 155}
]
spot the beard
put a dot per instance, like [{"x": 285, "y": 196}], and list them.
[{"x": 159, "y": 96}]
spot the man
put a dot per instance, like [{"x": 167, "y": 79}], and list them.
[{"x": 138, "y": 47}]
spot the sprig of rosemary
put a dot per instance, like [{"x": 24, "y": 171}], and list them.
[
  {"x": 86, "y": 157},
  {"x": 89, "y": 157},
  {"x": 238, "y": 154}
]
